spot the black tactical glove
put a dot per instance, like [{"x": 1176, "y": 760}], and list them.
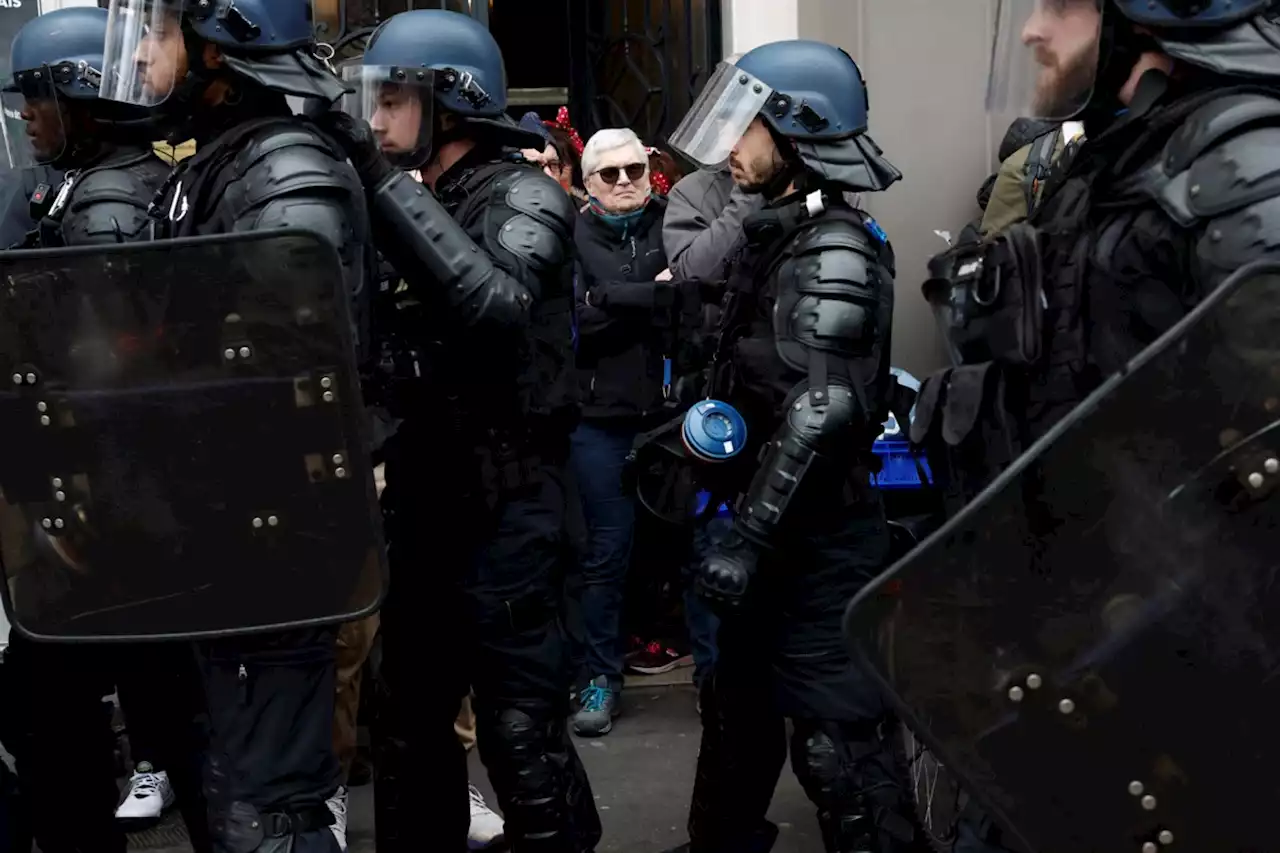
[
  {"x": 361, "y": 146},
  {"x": 726, "y": 573}
]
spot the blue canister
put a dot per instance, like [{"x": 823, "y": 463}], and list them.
[{"x": 714, "y": 431}]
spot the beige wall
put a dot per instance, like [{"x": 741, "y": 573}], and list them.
[{"x": 925, "y": 62}]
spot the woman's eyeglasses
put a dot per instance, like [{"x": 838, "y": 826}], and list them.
[{"x": 635, "y": 171}]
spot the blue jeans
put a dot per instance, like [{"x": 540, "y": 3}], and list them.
[
  {"x": 702, "y": 622},
  {"x": 595, "y": 591}
]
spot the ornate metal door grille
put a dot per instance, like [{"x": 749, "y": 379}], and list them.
[{"x": 640, "y": 63}]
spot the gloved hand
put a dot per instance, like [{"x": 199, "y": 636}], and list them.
[
  {"x": 726, "y": 573},
  {"x": 357, "y": 140}
]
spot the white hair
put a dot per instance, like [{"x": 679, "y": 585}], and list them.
[{"x": 610, "y": 139}]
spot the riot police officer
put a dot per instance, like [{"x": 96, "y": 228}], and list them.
[
  {"x": 103, "y": 147},
  {"x": 219, "y": 73},
  {"x": 1169, "y": 196},
  {"x": 803, "y": 354},
  {"x": 474, "y": 501}
]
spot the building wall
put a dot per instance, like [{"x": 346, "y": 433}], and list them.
[{"x": 925, "y": 63}]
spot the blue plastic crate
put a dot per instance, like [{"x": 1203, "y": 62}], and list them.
[
  {"x": 724, "y": 510},
  {"x": 899, "y": 468}
]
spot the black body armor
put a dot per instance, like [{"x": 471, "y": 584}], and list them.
[
  {"x": 104, "y": 202},
  {"x": 486, "y": 308},
  {"x": 1135, "y": 227},
  {"x": 804, "y": 353}
]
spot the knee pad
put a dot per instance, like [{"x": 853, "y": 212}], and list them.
[
  {"x": 523, "y": 755},
  {"x": 850, "y": 775}
]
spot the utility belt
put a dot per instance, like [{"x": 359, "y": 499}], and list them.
[{"x": 243, "y": 829}]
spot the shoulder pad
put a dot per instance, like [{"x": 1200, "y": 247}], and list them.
[
  {"x": 1224, "y": 156},
  {"x": 284, "y": 159},
  {"x": 830, "y": 234},
  {"x": 832, "y": 255},
  {"x": 133, "y": 184},
  {"x": 532, "y": 192},
  {"x": 538, "y": 223}
]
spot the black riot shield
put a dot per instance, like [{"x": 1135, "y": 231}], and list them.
[
  {"x": 1092, "y": 646},
  {"x": 184, "y": 445}
]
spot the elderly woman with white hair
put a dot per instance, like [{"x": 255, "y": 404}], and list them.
[{"x": 626, "y": 362}]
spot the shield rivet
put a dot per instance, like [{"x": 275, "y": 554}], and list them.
[
  {"x": 1034, "y": 681},
  {"x": 42, "y": 406},
  {"x": 1136, "y": 788},
  {"x": 257, "y": 522},
  {"x": 58, "y": 523},
  {"x": 273, "y": 521},
  {"x": 326, "y": 382},
  {"x": 31, "y": 379},
  {"x": 1165, "y": 837},
  {"x": 1015, "y": 693},
  {"x": 328, "y": 396},
  {"x": 46, "y": 523},
  {"x": 1255, "y": 480},
  {"x": 337, "y": 459},
  {"x": 1272, "y": 466},
  {"x": 245, "y": 352},
  {"x": 17, "y": 379},
  {"x": 1066, "y": 706},
  {"x": 57, "y": 482},
  {"x": 1149, "y": 803},
  {"x": 229, "y": 354},
  {"x": 340, "y": 473},
  {"x": 59, "y": 496},
  {"x": 44, "y": 420},
  {"x": 1149, "y": 847}
]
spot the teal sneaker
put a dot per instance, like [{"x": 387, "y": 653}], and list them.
[{"x": 598, "y": 705}]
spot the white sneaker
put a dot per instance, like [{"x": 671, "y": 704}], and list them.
[
  {"x": 338, "y": 806},
  {"x": 487, "y": 828},
  {"x": 148, "y": 795}
]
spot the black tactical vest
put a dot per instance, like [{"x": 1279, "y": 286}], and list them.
[
  {"x": 746, "y": 367},
  {"x": 1031, "y": 315}
]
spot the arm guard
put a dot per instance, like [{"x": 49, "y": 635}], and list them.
[
  {"x": 109, "y": 205},
  {"x": 526, "y": 231},
  {"x": 831, "y": 321}
]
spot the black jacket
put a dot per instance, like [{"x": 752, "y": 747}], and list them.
[{"x": 625, "y": 337}]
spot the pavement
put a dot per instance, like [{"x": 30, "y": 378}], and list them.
[{"x": 641, "y": 774}]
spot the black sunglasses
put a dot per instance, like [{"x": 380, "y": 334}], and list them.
[{"x": 610, "y": 174}]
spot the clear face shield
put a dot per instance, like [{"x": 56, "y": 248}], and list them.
[
  {"x": 1044, "y": 61},
  {"x": 145, "y": 56},
  {"x": 39, "y": 134},
  {"x": 398, "y": 103},
  {"x": 724, "y": 110}
]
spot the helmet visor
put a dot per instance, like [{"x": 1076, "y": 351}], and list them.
[
  {"x": 728, "y": 104},
  {"x": 1044, "y": 61},
  {"x": 397, "y": 102},
  {"x": 38, "y": 135},
  {"x": 145, "y": 54}
]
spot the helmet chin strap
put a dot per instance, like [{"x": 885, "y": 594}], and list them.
[
  {"x": 178, "y": 115},
  {"x": 1119, "y": 48}
]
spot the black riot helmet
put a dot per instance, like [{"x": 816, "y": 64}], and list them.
[
  {"x": 57, "y": 71},
  {"x": 814, "y": 101},
  {"x": 154, "y": 53},
  {"x": 1053, "y": 59},
  {"x": 423, "y": 65}
]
